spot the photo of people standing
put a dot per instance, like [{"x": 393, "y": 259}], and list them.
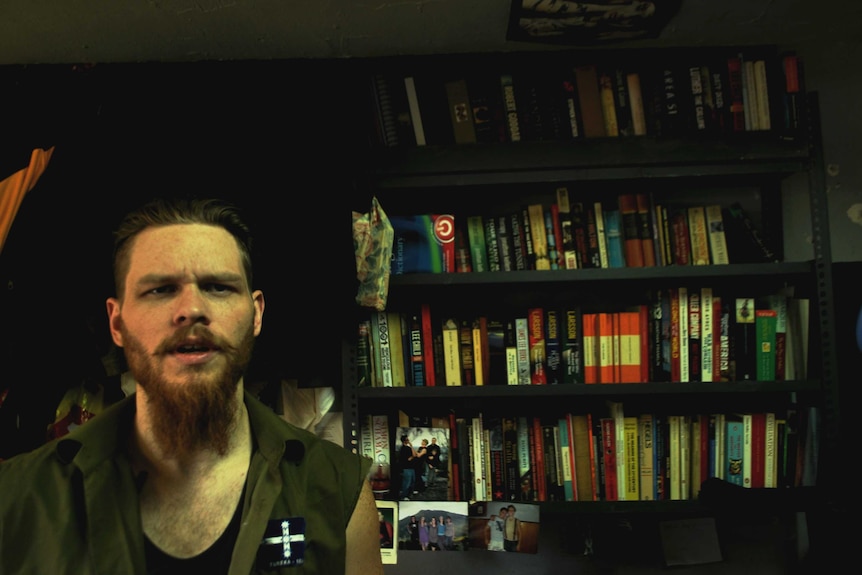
[
  {"x": 432, "y": 525},
  {"x": 422, "y": 464},
  {"x": 504, "y": 526}
]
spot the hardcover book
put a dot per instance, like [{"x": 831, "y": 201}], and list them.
[
  {"x": 423, "y": 244},
  {"x": 460, "y": 111},
  {"x": 634, "y": 249},
  {"x": 510, "y": 105},
  {"x": 553, "y": 347},
  {"x": 381, "y": 469},
  {"x": 572, "y": 346},
  {"x": 537, "y": 346},
  {"x": 570, "y": 257},
  {"x": 698, "y": 236},
  {"x": 718, "y": 253},
  {"x": 614, "y": 237},
  {"x": 452, "y": 351},
  {"x": 491, "y": 244},
  {"x": 489, "y": 118},
  {"x": 476, "y": 239},
  {"x": 765, "y": 322},
  {"x": 587, "y": 80},
  {"x": 539, "y": 236}
]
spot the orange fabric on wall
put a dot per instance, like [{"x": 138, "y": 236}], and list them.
[{"x": 13, "y": 189}]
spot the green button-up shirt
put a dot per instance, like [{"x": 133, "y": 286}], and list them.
[{"x": 71, "y": 506}]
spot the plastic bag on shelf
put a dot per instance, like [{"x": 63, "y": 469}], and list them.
[{"x": 373, "y": 237}]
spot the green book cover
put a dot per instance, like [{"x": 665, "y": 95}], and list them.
[
  {"x": 765, "y": 323},
  {"x": 476, "y": 239}
]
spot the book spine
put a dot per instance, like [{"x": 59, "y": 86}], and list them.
[
  {"x": 554, "y": 253},
  {"x": 601, "y": 237},
  {"x": 587, "y": 80},
  {"x": 452, "y": 351},
  {"x": 553, "y": 352},
  {"x": 590, "y": 348},
  {"x": 572, "y": 355},
  {"x": 511, "y": 491},
  {"x": 537, "y": 347},
  {"x": 695, "y": 344},
  {"x": 417, "y": 355},
  {"x": 381, "y": 481},
  {"x": 522, "y": 345},
  {"x": 628, "y": 209},
  {"x": 364, "y": 366},
  {"x": 513, "y": 126},
  {"x": 465, "y": 340},
  {"x": 428, "y": 345},
  {"x": 609, "y": 459},
  {"x": 765, "y": 321},
  {"x": 385, "y": 349},
  {"x": 460, "y": 111},
  {"x": 505, "y": 245},
  {"x": 707, "y": 335},
  {"x": 566, "y": 460},
  {"x": 632, "y": 487},
  {"x": 646, "y": 456},
  {"x": 718, "y": 253},
  {"x": 567, "y": 232},
  {"x": 415, "y": 112},
  {"x": 525, "y": 471},
  {"x": 476, "y": 240},
  {"x": 636, "y": 103},
  {"x": 539, "y": 237},
  {"x": 608, "y": 100},
  {"x": 698, "y": 236},
  {"x": 489, "y": 223}
]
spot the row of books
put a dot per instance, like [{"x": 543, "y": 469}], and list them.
[
  {"x": 632, "y": 231},
  {"x": 684, "y": 334},
  {"x": 729, "y": 92},
  {"x": 618, "y": 456}
]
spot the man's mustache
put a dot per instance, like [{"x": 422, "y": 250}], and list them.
[{"x": 197, "y": 335}]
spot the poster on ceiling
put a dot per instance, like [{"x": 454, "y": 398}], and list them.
[{"x": 588, "y": 23}]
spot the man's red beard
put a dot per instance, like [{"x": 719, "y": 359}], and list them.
[{"x": 197, "y": 412}]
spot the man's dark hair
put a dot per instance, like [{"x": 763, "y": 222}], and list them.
[{"x": 171, "y": 211}]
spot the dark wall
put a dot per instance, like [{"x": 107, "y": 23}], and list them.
[{"x": 277, "y": 138}]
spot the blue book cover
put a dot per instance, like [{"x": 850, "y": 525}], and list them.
[
  {"x": 423, "y": 244},
  {"x": 733, "y": 473},
  {"x": 614, "y": 235}
]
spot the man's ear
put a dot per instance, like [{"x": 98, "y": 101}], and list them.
[
  {"x": 259, "y": 304},
  {"x": 112, "y": 305}
]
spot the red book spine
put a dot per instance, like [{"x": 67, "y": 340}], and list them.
[
  {"x": 455, "y": 480},
  {"x": 536, "y": 322},
  {"x": 537, "y": 447},
  {"x": 609, "y": 458},
  {"x": 428, "y": 344},
  {"x": 758, "y": 449}
]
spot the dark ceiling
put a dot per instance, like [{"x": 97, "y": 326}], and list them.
[{"x": 97, "y": 31}]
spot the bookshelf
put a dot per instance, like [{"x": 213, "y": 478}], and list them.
[{"x": 761, "y": 169}]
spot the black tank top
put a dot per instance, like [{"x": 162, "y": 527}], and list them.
[{"x": 216, "y": 559}]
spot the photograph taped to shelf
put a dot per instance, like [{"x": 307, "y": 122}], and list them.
[
  {"x": 504, "y": 526},
  {"x": 431, "y": 471},
  {"x": 387, "y": 513},
  {"x": 596, "y": 22},
  {"x": 419, "y": 526}
]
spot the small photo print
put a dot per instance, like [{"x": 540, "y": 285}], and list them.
[
  {"x": 504, "y": 526},
  {"x": 432, "y": 526},
  {"x": 387, "y": 513}
]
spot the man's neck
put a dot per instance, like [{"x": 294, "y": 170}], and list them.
[{"x": 150, "y": 457}]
